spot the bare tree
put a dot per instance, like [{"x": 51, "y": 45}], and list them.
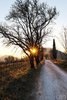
[
  {"x": 63, "y": 39},
  {"x": 29, "y": 20}
]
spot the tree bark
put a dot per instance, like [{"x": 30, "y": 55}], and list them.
[
  {"x": 32, "y": 61},
  {"x": 42, "y": 55},
  {"x": 37, "y": 58}
]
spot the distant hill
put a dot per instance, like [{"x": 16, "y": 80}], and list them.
[
  {"x": 60, "y": 55},
  {"x": 2, "y": 58}
]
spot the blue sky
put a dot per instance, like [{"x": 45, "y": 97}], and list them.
[
  {"x": 61, "y": 6},
  {"x": 4, "y": 8},
  {"x": 61, "y": 20}
]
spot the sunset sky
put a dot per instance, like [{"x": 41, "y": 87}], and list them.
[{"x": 60, "y": 21}]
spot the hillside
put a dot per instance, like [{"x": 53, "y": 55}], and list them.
[{"x": 60, "y": 55}]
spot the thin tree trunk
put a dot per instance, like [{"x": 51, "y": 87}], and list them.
[
  {"x": 32, "y": 61},
  {"x": 37, "y": 58},
  {"x": 41, "y": 55}
]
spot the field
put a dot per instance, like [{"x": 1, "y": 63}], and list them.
[
  {"x": 10, "y": 72},
  {"x": 17, "y": 80}
]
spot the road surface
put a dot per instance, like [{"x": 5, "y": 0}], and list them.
[{"x": 52, "y": 83}]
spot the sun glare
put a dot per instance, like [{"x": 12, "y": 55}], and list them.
[{"x": 33, "y": 50}]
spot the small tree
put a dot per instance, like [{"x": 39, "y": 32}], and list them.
[
  {"x": 54, "y": 51},
  {"x": 29, "y": 21}
]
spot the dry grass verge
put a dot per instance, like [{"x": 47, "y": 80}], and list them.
[
  {"x": 62, "y": 64},
  {"x": 10, "y": 72},
  {"x": 18, "y": 81}
]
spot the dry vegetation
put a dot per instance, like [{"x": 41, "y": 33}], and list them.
[
  {"x": 17, "y": 81},
  {"x": 10, "y": 72},
  {"x": 62, "y": 64}
]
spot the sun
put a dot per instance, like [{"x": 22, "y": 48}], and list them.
[{"x": 33, "y": 50}]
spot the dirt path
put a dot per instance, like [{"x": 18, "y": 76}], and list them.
[{"x": 52, "y": 84}]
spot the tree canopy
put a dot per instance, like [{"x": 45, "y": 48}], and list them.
[{"x": 28, "y": 21}]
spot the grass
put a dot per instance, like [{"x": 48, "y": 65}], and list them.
[
  {"x": 17, "y": 81},
  {"x": 10, "y": 72},
  {"x": 62, "y": 64}
]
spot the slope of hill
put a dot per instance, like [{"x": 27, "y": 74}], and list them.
[{"x": 60, "y": 55}]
